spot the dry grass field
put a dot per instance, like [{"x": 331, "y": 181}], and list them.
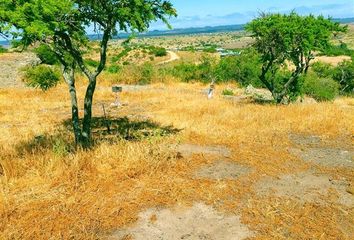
[
  {"x": 172, "y": 164},
  {"x": 171, "y": 149}
]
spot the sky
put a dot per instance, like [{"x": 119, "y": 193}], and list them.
[{"x": 200, "y": 13}]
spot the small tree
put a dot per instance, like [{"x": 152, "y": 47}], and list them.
[
  {"x": 282, "y": 39},
  {"x": 61, "y": 25}
]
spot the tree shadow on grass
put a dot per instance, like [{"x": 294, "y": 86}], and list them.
[{"x": 103, "y": 130}]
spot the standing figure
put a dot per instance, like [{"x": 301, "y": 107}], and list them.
[{"x": 211, "y": 89}]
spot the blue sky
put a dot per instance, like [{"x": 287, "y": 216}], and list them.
[{"x": 197, "y": 13}]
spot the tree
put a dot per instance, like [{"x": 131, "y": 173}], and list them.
[
  {"x": 61, "y": 25},
  {"x": 291, "y": 38}
]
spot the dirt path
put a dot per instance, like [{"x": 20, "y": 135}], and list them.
[
  {"x": 10, "y": 65},
  {"x": 173, "y": 57}
]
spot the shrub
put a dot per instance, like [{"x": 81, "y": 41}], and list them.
[
  {"x": 189, "y": 49},
  {"x": 227, "y": 92},
  {"x": 3, "y": 50},
  {"x": 121, "y": 54},
  {"x": 203, "y": 72},
  {"x": 46, "y": 55},
  {"x": 113, "y": 69},
  {"x": 210, "y": 50},
  {"x": 160, "y": 52},
  {"x": 344, "y": 75},
  {"x": 41, "y": 76},
  {"x": 185, "y": 71},
  {"x": 338, "y": 50},
  {"x": 245, "y": 69},
  {"x": 147, "y": 73},
  {"x": 321, "y": 89},
  {"x": 323, "y": 70},
  {"x": 92, "y": 63}
]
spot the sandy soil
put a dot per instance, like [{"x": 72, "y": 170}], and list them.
[
  {"x": 222, "y": 170},
  {"x": 189, "y": 149},
  {"x": 200, "y": 222},
  {"x": 332, "y": 60},
  {"x": 307, "y": 187},
  {"x": 173, "y": 57}
]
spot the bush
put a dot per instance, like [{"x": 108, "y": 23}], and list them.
[
  {"x": 121, "y": 54},
  {"x": 92, "y": 63},
  {"x": 41, "y": 76},
  {"x": 210, "y": 50},
  {"x": 3, "y": 50},
  {"x": 323, "y": 70},
  {"x": 321, "y": 89},
  {"x": 338, "y": 50},
  {"x": 204, "y": 72},
  {"x": 245, "y": 69},
  {"x": 186, "y": 71},
  {"x": 344, "y": 75},
  {"x": 113, "y": 69},
  {"x": 227, "y": 92},
  {"x": 147, "y": 73},
  {"x": 160, "y": 52},
  {"x": 46, "y": 55}
]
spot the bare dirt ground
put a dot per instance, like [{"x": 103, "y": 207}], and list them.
[
  {"x": 332, "y": 60},
  {"x": 307, "y": 187},
  {"x": 173, "y": 57},
  {"x": 199, "y": 222},
  {"x": 10, "y": 65},
  {"x": 222, "y": 170}
]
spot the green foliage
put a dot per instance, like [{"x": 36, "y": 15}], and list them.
[
  {"x": 92, "y": 63},
  {"x": 210, "y": 50},
  {"x": 245, "y": 69},
  {"x": 60, "y": 147},
  {"x": 159, "y": 52},
  {"x": 121, "y": 54},
  {"x": 280, "y": 78},
  {"x": 46, "y": 55},
  {"x": 280, "y": 38},
  {"x": 41, "y": 76},
  {"x": 344, "y": 75},
  {"x": 114, "y": 69},
  {"x": 206, "y": 69},
  {"x": 147, "y": 73},
  {"x": 189, "y": 49},
  {"x": 321, "y": 89},
  {"x": 63, "y": 24},
  {"x": 185, "y": 71},
  {"x": 204, "y": 72},
  {"x": 339, "y": 50},
  {"x": 3, "y": 50},
  {"x": 228, "y": 92},
  {"x": 323, "y": 70}
]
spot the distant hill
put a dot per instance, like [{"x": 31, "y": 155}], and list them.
[
  {"x": 189, "y": 31},
  {"x": 200, "y": 30},
  {"x": 180, "y": 31},
  {"x": 344, "y": 20}
]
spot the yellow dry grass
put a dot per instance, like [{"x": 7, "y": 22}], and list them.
[{"x": 88, "y": 194}]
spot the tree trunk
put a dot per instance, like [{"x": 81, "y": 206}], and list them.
[
  {"x": 86, "y": 125},
  {"x": 69, "y": 76}
]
